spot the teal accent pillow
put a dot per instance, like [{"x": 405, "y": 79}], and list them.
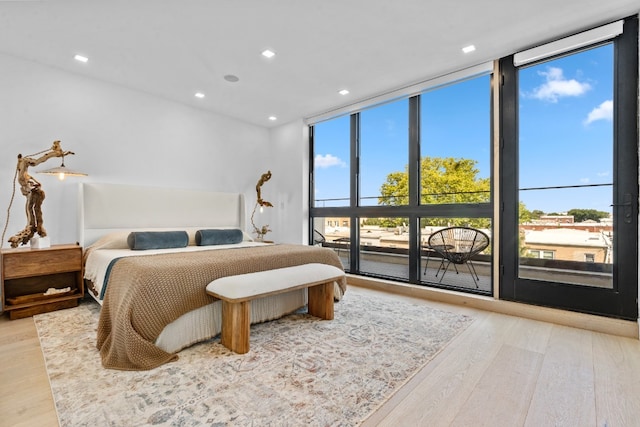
[
  {"x": 143, "y": 240},
  {"x": 218, "y": 237}
]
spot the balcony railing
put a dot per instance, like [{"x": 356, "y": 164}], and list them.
[{"x": 393, "y": 263}]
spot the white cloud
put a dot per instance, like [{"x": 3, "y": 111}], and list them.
[
  {"x": 603, "y": 111},
  {"x": 327, "y": 161},
  {"x": 557, "y": 86}
]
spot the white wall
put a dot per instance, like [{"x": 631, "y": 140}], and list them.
[
  {"x": 289, "y": 185},
  {"x": 121, "y": 136}
]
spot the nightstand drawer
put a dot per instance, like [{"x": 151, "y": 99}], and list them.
[{"x": 36, "y": 262}]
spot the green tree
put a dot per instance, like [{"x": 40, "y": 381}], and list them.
[
  {"x": 580, "y": 215},
  {"x": 524, "y": 215},
  {"x": 443, "y": 180},
  {"x": 450, "y": 180},
  {"x": 383, "y": 222},
  {"x": 371, "y": 221},
  {"x": 536, "y": 214}
]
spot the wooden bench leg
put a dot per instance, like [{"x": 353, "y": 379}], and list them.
[
  {"x": 236, "y": 319},
  {"x": 321, "y": 301}
]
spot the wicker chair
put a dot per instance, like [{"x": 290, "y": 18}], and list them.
[
  {"x": 318, "y": 238},
  {"x": 457, "y": 245}
]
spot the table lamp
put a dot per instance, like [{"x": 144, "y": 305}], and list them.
[{"x": 32, "y": 190}]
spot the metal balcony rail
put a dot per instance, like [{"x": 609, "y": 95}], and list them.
[{"x": 445, "y": 195}]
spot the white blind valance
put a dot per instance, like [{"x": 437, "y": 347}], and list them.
[{"x": 567, "y": 44}]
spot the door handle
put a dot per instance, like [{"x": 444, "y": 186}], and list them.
[{"x": 628, "y": 207}]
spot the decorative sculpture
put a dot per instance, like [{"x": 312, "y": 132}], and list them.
[
  {"x": 263, "y": 178},
  {"x": 262, "y": 231},
  {"x": 32, "y": 190}
]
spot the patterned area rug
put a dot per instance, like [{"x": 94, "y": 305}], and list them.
[{"x": 301, "y": 371}]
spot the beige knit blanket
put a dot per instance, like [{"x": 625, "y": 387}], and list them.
[{"x": 146, "y": 293}]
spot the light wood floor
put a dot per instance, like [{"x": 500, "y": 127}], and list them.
[{"x": 501, "y": 371}]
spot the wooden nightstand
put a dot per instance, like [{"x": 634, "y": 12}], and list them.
[{"x": 28, "y": 273}]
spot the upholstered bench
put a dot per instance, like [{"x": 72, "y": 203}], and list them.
[{"x": 236, "y": 293}]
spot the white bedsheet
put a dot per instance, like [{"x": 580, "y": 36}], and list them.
[{"x": 98, "y": 261}]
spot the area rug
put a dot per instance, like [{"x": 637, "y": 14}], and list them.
[{"x": 301, "y": 371}]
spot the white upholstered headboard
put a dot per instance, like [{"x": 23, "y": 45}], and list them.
[{"x": 106, "y": 208}]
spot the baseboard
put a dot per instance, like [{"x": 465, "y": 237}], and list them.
[{"x": 623, "y": 328}]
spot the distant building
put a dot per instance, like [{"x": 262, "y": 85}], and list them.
[
  {"x": 337, "y": 222},
  {"x": 554, "y": 219},
  {"x": 605, "y": 225},
  {"x": 568, "y": 244}
]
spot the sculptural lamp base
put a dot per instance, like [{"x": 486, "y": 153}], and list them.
[{"x": 38, "y": 242}]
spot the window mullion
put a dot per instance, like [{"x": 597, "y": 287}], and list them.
[
  {"x": 414, "y": 188},
  {"x": 354, "y": 256}
]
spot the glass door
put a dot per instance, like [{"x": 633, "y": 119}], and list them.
[
  {"x": 570, "y": 180},
  {"x": 565, "y": 169}
]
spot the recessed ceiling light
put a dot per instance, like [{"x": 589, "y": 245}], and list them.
[
  {"x": 273, "y": 118},
  {"x": 81, "y": 58},
  {"x": 469, "y": 48},
  {"x": 268, "y": 53},
  {"x": 343, "y": 92},
  {"x": 231, "y": 78},
  {"x": 199, "y": 95}
]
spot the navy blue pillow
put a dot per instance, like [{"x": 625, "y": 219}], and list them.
[
  {"x": 143, "y": 240},
  {"x": 218, "y": 237}
]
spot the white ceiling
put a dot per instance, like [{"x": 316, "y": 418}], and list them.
[{"x": 175, "y": 48}]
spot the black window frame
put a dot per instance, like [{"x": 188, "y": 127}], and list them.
[
  {"x": 622, "y": 300},
  {"x": 413, "y": 210}
]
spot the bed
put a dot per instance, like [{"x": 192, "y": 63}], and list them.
[{"x": 154, "y": 301}]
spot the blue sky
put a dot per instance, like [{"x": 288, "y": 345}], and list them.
[
  {"x": 565, "y": 134},
  {"x": 566, "y": 130}
]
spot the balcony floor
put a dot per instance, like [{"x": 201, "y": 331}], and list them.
[{"x": 462, "y": 280}]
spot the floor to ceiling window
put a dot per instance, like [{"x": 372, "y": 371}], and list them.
[
  {"x": 389, "y": 179},
  {"x": 417, "y": 165},
  {"x": 455, "y": 173}
]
